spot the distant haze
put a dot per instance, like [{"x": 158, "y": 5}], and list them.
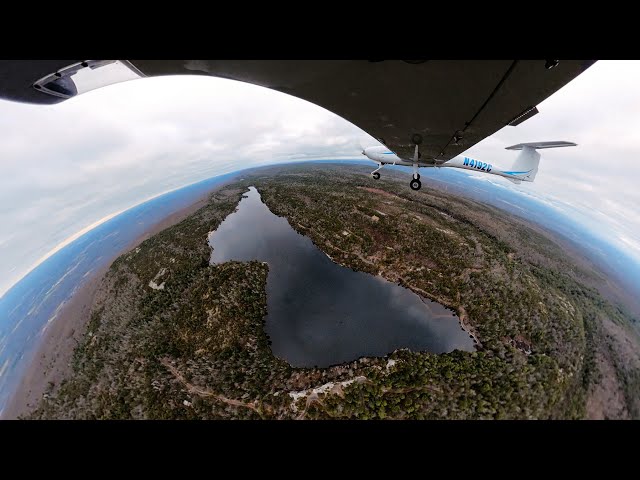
[{"x": 66, "y": 167}]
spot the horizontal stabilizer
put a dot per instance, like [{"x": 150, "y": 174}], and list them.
[{"x": 539, "y": 145}]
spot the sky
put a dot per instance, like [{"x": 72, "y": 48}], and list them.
[
  {"x": 65, "y": 168},
  {"x": 595, "y": 182}
]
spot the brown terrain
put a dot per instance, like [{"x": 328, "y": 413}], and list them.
[
  {"x": 51, "y": 363},
  {"x": 559, "y": 351}
]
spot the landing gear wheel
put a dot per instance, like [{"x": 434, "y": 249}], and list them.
[
  {"x": 375, "y": 175},
  {"x": 415, "y": 184}
]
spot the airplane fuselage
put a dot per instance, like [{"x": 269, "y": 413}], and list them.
[{"x": 384, "y": 156}]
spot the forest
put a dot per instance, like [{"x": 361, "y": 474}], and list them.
[{"x": 548, "y": 345}]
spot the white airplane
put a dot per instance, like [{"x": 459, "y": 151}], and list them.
[{"x": 524, "y": 167}]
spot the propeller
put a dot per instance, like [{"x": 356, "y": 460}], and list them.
[
  {"x": 361, "y": 147},
  {"x": 370, "y": 142}
]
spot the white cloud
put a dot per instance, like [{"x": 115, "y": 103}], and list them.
[
  {"x": 599, "y": 110},
  {"x": 64, "y": 167}
]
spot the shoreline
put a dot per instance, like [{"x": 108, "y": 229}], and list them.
[
  {"x": 51, "y": 361},
  {"x": 55, "y": 346}
]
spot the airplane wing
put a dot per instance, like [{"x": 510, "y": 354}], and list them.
[{"x": 446, "y": 106}]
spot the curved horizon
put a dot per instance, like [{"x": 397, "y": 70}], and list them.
[{"x": 68, "y": 166}]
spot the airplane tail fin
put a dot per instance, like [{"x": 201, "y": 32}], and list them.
[{"x": 526, "y": 164}]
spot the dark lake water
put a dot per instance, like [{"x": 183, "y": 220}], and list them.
[{"x": 320, "y": 313}]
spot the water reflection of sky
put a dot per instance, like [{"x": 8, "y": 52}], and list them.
[{"x": 320, "y": 313}]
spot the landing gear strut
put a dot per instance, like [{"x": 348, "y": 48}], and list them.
[
  {"x": 415, "y": 182},
  {"x": 375, "y": 173}
]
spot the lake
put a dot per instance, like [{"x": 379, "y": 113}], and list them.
[{"x": 321, "y": 313}]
